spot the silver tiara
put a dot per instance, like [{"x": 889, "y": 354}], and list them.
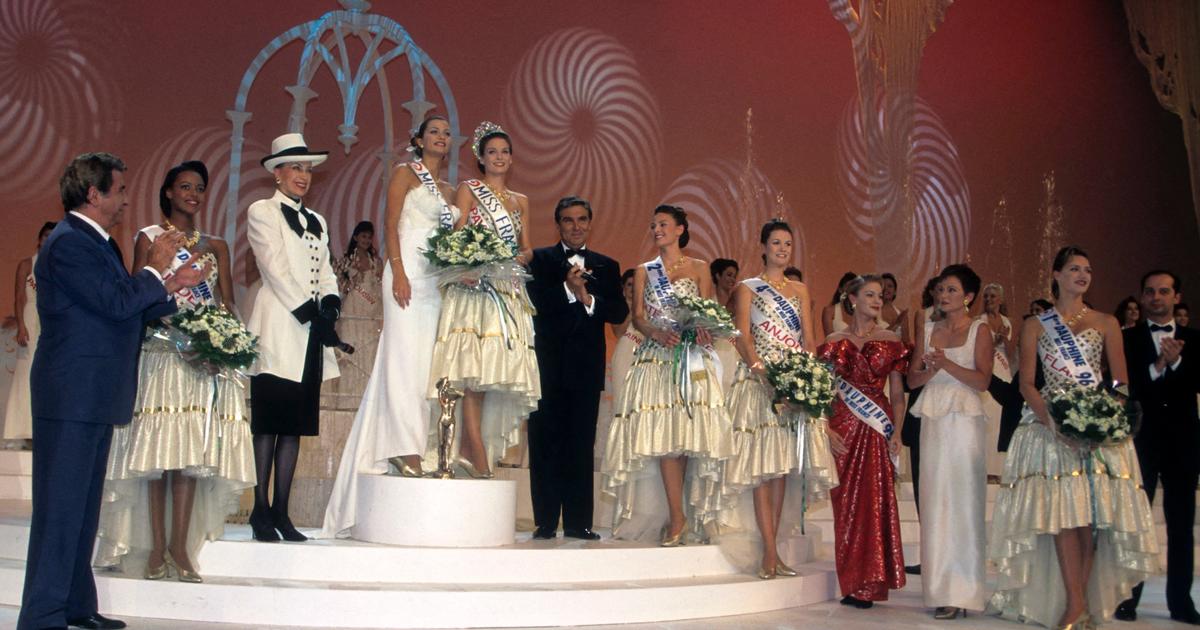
[{"x": 482, "y": 130}]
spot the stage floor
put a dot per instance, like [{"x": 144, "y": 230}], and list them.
[{"x": 903, "y": 611}]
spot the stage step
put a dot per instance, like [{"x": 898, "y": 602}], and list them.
[{"x": 15, "y": 470}]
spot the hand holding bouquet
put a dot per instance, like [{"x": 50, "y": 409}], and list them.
[
  {"x": 213, "y": 337},
  {"x": 1090, "y": 416},
  {"x": 472, "y": 254},
  {"x": 802, "y": 380}
]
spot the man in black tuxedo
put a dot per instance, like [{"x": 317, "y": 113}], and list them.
[
  {"x": 575, "y": 291},
  {"x": 83, "y": 381},
  {"x": 1164, "y": 376}
]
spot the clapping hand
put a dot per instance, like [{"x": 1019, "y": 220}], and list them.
[
  {"x": 935, "y": 359},
  {"x": 162, "y": 251},
  {"x": 1171, "y": 347},
  {"x": 186, "y": 277}
]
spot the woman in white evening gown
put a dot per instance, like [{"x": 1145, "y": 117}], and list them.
[
  {"x": 1072, "y": 531},
  {"x": 18, "y": 416},
  {"x": 953, "y": 367},
  {"x": 394, "y": 419}
]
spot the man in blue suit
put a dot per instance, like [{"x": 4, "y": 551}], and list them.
[{"x": 83, "y": 382}]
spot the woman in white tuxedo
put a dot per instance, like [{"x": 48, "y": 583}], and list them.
[{"x": 294, "y": 315}]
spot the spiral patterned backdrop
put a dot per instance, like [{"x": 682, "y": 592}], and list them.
[
  {"x": 211, "y": 146},
  {"x": 357, "y": 191},
  {"x": 727, "y": 204},
  {"x": 54, "y": 89},
  {"x": 574, "y": 105},
  {"x": 872, "y": 189}
]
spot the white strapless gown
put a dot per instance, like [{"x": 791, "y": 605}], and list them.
[{"x": 395, "y": 415}]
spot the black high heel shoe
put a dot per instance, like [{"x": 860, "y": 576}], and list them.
[
  {"x": 262, "y": 527},
  {"x": 286, "y": 529}
]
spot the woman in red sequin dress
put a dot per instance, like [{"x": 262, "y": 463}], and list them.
[{"x": 866, "y": 520}]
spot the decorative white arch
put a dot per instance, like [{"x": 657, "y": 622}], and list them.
[{"x": 325, "y": 47}]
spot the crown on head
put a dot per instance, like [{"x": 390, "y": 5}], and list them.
[{"x": 482, "y": 130}]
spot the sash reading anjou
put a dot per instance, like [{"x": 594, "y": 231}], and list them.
[{"x": 782, "y": 322}]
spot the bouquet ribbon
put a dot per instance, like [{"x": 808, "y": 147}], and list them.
[{"x": 686, "y": 354}]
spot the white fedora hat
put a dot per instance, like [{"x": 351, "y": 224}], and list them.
[{"x": 291, "y": 147}]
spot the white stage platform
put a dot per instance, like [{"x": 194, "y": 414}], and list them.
[
  {"x": 454, "y": 512},
  {"x": 351, "y": 584}
]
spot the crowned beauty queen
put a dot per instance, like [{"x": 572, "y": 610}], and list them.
[{"x": 484, "y": 344}]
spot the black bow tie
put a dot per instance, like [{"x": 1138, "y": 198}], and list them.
[
  {"x": 1165, "y": 328},
  {"x": 292, "y": 216},
  {"x": 573, "y": 252}
]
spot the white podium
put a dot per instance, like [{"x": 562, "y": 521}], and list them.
[{"x": 435, "y": 512}]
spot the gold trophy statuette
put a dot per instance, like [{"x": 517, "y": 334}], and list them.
[{"x": 448, "y": 397}]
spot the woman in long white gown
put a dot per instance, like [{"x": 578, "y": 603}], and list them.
[
  {"x": 394, "y": 419},
  {"x": 1072, "y": 531},
  {"x": 1002, "y": 389},
  {"x": 18, "y": 415},
  {"x": 953, "y": 368}
]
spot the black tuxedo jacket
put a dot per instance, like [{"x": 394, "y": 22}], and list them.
[
  {"x": 1170, "y": 427},
  {"x": 570, "y": 343}
]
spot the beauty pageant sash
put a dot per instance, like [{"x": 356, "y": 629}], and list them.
[
  {"x": 445, "y": 217},
  {"x": 1067, "y": 356},
  {"x": 496, "y": 212},
  {"x": 781, "y": 322},
  {"x": 865, "y": 409},
  {"x": 662, "y": 293}
]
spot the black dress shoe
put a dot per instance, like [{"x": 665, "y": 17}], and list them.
[
  {"x": 856, "y": 602},
  {"x": 1125, "y": 612},
  {"x": 545, "y": 533},
  {"x": 263, "y": 527},
  {"x": 1190, "y": 617},
  {"x": 582, "y": 534},
  {"x": 96, "y": 621},
  {"x": 913, "y": 569},
  {"x": 286, "y": 529}
]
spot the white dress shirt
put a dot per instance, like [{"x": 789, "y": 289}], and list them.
[
  {"x": 1158, "y": 336},
  {"x": 577, "y": 261}
]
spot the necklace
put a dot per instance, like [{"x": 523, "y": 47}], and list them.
[
  {"x": 189, "y": 241},
  {"x": 1071, "y": 321},
  {"x": 778, "y": 285},
  {"x": 864, "y": 334},
  {"x": 675, "y": 265},
  {"x": 501, "y": 194}
]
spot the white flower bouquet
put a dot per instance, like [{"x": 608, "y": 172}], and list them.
[
  {"x": 802, "y": 380},
  {"x": 213, "y": 336},
  {"x": 1091, "y": 416},
  {"x": 472, "y": 254},
  {"x": 692, "y": 313}
]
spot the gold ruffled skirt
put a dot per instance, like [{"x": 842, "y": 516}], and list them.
[
  {"x": 174, "y": 429},
  {"x": 1049, "y": 486},
  {"x": 651, "y": 420},
  {"x": 482, "y": 348}
]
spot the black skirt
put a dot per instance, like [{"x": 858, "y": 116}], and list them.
[{"x": 283, "y": 407}]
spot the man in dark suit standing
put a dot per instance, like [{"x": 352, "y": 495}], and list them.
[
  {"x": 83, "y": 382},
  {"x": 575, "y": 291},
  {"x": 1164, "y": 376}
]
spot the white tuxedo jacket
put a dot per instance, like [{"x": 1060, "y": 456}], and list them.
[{"x": 295, "y": 270}]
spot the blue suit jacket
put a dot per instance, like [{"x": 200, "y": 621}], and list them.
[{"x": 92, "y": 313}]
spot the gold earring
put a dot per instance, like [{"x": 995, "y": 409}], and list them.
[
  {"x": 966, "y": 302},
  {"x": 278, "y": 182}
]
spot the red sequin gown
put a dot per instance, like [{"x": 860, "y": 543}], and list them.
[{"x": 866, "y": 520}]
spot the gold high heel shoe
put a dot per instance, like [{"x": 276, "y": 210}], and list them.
[
  {"x": 764, "y": 574},
  {"x": 471, "y": 470},
  {"x": 783, "y": 570},
  {"x": 949, "y": 612},
  {"x": 185, "y": 575},
  {"x": 1081, "y": 622},
  {"x": 672, "y": 541},
  {"x": 403, "y": 468},
  {"x": 156, "y": 574}
]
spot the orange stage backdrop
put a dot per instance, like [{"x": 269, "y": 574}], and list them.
[{"x": 738, "y": 111}]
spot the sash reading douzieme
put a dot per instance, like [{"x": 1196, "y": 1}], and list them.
[
  {"x": 445, "y": 217},
  {"x": 1066, "y": 349},
  {"x": 784, "y": 327},
  {"x": 663, "y": 294},
  {"x": 494, "y": 209}
]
